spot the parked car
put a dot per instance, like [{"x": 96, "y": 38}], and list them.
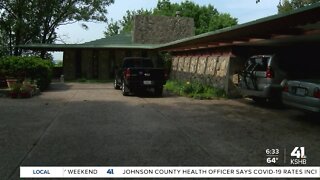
[
  {"x": 261, "y": 78},
  {"x": 138, "y": 73},
  {"x": 302, "y": 94}
]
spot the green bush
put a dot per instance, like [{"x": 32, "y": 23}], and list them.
[
  {"x": 195, "y": 90},
  {"x": 187, "y": 88},
  {"x": 31, "y": 67}
]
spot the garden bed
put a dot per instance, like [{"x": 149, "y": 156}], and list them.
[{"x": 194, "y": 90}]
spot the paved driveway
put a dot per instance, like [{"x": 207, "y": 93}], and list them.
[{"x": 94, "y": 125}]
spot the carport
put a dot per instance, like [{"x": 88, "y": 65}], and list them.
[{"x": 96, "y": 59}]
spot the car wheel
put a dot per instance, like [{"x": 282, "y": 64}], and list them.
[
  {"x": 116, "y": 86},
  {"x": 125, "y": 90}
]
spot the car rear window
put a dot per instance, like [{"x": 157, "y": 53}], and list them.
[
  {"x": 138, "y": 63},
  {"x": 257, "y": 64},
  {"x": 147, "y": 63}
]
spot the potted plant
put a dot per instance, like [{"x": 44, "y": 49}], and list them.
[
  {"x": 25, "y": 91},
  {"x": 8, "y": 71},
  {"x": 11, "y": 82},
  {"x": 15, "y": 90},
  {"x": 3, "y": 83},
  {"x": 28, "y": 88},
  {"x": 10, "y": 77}
]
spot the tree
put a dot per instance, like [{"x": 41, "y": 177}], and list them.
[
  {"x": 36, "y": 21},
  {"x": 3, "y": 48},
  {"x": 290, "y": 5},
  {"x": 113, "y": 28},
  {"x": 206, "y": 18}
]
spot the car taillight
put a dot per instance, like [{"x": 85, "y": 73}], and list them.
[
  {"x": 166, "y": 75},
  {"x": 127, "y": 73},
  {"x": 316, "y": 93},
  {"x": 269, "y": 72},
  {"x": 286, "y": 88}
]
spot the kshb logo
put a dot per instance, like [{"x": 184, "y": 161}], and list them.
[
  {"x": 299, "y": 155},
  {"x": 298, "y": 152}
]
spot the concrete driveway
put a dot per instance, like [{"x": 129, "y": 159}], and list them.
[{"x": 94, "y": 125}]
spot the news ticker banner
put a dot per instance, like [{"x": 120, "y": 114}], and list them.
[{"x": 171, "y": 172}]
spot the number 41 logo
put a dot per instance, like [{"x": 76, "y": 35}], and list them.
[
  {"x": 299, "y": 152},
  {"x": 110, "y": 171}
]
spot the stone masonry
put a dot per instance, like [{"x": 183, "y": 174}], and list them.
[
  {"x": 161, "y": 29},
  {"x": 211, "y": 69}
]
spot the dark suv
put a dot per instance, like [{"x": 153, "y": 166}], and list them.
[{"x": 138, "y": 73}]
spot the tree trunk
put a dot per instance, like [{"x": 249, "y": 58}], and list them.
[
  {"x": 17, "y": 41},
  {"x": 10, "y": 41}
]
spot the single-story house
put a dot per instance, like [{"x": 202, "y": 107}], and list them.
[{"x": 213, "y": 58}]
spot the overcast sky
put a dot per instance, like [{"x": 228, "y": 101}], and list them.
[{"x": 244, "y": 10}]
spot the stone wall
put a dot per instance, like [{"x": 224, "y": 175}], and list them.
[
  {"x": 207, "y": 69},
  {"x": 236, "y": 65},
  {"x": 161, "y": 29}
]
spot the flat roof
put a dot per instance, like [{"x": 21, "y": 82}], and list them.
[
  {"x": 120, "y": 41},
  {"x": 61, "y": 47}
]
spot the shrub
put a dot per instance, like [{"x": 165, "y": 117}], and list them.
[
  {"x": 31, "y": 67},
  {"x": 195, "y": 90},
  {"x": 187, "y": 88},
  {"x": 16, "y": 87}
]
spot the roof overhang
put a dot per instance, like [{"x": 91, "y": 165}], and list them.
[
  {"x": 62, "y": 47},
  {"x": 298, "y": 27}
]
